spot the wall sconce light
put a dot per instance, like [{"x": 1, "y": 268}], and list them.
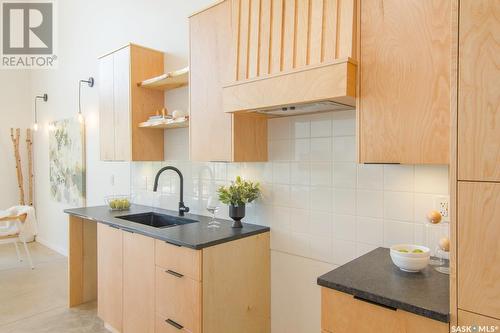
[
  {"x": 90, "y": 82},
  {"x": 44, "y": 98}
]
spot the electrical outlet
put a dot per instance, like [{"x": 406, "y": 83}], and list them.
[{"x": 442, "y": 205}]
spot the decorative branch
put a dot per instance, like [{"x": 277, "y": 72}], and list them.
[
  {"x": 17, "y": 156},
  {"x": 29, "y": 146}
]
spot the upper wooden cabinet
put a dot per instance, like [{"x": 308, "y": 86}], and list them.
[
  {"x": 479, "y": 92},
  {"x": 215, "y": 135},
  {"x": 404, "y": 74},
  {"x": 123, "y": 105},
  {"x": 291, "y": 52}
]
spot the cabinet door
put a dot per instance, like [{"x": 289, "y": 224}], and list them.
[
  {"x": 479, "y": 93},
  {"x": 210, "y": 128},
  {"x": 121, "y": 97},
  {"x": 342, "y": 313},
  {"x": 106, "y": 108},
  {"x": 138, "y": 283},
  {"x": 109, "y": 275},
  {"x": 404, "y": 97},
  {"x": 479, "y": 248}
]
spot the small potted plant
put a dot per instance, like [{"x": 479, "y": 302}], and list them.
[{"x": 237, "y": 195}]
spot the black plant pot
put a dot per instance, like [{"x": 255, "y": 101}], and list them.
[{"x": 237, "y": 213}]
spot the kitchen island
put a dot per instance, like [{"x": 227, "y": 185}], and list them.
[{"x": 182, "y": 276}]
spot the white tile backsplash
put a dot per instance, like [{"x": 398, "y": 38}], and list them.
[{"x": 318, "y": 202}]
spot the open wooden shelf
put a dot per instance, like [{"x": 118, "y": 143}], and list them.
[
  {"x": 165, "y": 124},
  {"x": 168, "y": 81}
]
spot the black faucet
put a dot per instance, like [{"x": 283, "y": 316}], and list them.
[{"x": 182, "y": 209}]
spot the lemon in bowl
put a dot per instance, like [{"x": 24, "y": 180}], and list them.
[
  {"x": 118, "y": 202},
  {"x": 409, "y": 257}
]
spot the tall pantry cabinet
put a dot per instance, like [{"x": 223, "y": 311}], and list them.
[{"x": 475, "y": 167}]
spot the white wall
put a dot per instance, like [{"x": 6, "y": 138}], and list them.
[
  {"x": 16, "y": 110},
  {"x": 88, "y": 29}
]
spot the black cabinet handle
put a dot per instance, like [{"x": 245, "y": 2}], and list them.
[
  {"x": 179, "y": 275},
  {"x": 374, "y": 303},
  {"x": 127, "y": 230},
  {"x": 174, "y": 324}
]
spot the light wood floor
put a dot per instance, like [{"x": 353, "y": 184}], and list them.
[{"x": 35, "y": 301}]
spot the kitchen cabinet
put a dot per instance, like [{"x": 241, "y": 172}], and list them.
[
  {"x": 404, "y": 81},
  {"x": 342, "y": 313},
  {"x": 138, "y": 283},
  {"x": 126, "y": 278},
  {"x": 479, "y": 248},
  {"x": 273, "y": 36},
  {"x": 478, "y": 93},
  {"x": 215, "y": 135},
  {"x": 196, "y": 284},
  {"x": 148, "y": 285},
  {"x": 123, "y": 104},
  {"x": 110, "y": 276},
  {"x": 475, "y": 167},
  {"x": 473, "y": 319},
  {"x": 291, "y": 52}
]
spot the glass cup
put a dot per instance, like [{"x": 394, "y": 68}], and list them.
[{"x": 213, "y": 208}]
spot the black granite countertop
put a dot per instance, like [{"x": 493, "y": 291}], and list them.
[
  {"x": 192, "y": 235},
  {"x": 375, "y": 278}
]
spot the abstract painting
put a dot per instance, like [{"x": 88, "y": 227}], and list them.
[{"x": 67, "y": 161}]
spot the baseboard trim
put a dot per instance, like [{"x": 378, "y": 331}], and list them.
[{"x": 53, "y": 247}]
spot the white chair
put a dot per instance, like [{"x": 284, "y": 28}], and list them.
[{"x": 11, "y": 233}]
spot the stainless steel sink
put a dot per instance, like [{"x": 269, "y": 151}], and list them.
[{"x": 157, "y": 220}]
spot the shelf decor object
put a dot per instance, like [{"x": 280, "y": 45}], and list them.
[
  {"x": 168, "y": 81},
  {"x": 166, "y": 123}
]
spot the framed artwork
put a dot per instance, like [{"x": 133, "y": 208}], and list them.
[{"x": 67, "y": 161}]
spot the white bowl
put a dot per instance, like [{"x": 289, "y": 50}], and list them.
[{"x": 410, "y": 261}]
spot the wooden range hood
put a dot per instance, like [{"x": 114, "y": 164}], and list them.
[
  {"x": 293, "y": 55},
  {"x": 328, "y": 82}
]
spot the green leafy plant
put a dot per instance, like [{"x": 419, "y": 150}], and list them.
[{"x": 239, "y": 193}]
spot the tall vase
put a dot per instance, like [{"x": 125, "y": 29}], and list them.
[{"x": 237, "y": 213}]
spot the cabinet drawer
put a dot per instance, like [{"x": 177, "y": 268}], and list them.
[
  {"x": 179, "y": 259},
  {"x": 178, "y": 298},
  {"x": 162, "y": 326},
  {"x": 342, "y": 313}
]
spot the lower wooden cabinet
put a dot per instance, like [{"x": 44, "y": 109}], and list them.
[
  {"x": 178, "y": 299},
  {"x": 110, "y": 276},
  {"x": 342, "y": 313},
  {"x": 472, "y": 319},
  {"x": 138, "y": 283},
  {"x": 479, "y": 248},
  {"x": 148, "y": 285}
]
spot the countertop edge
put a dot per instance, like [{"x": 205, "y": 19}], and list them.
[
  {"x": 168, "y": 240},
  {"x": 445, "y": 318}
]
